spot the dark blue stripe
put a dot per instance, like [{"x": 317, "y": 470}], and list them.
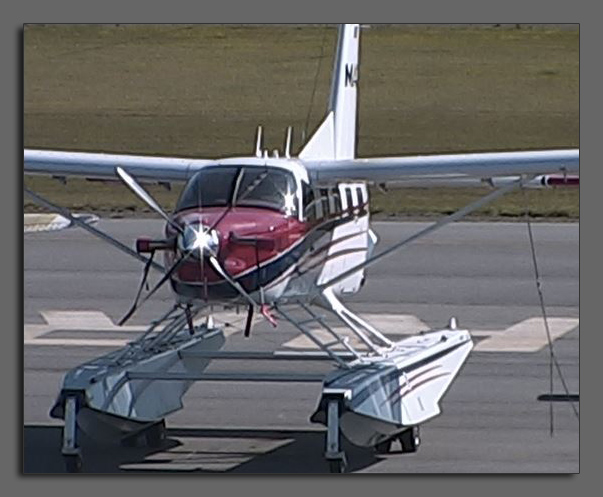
[{"x": 255, "y": 279}]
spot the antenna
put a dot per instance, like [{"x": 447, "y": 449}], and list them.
[
  {"x": 259, "y": 141},
  {"x": 288, "y": 140}
]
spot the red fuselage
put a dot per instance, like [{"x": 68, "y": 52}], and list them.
[{"x": 253, "y": 248}]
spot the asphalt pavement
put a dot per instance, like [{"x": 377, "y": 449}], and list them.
[{"x": 75, "y": 288}]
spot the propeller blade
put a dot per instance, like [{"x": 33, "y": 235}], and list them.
[
  {"x": 133, "y": 185},
  {"x": 222, "y": 272},
  {"x": 145, "y": 275},
  {"x": 249, "y": 322},
  {"x": 159, "y": 284},
  {"x": 90, "y": 229}
]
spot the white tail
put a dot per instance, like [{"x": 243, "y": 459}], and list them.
[{"x": 335, "y": 138}]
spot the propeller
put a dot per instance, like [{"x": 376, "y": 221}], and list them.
[
  {"x": 159, "y": 284},
  {"x": 145, "y": 275},
  {"x": 204, "y": 241},
  {"x": 213, "y": 260},
  {"x": 133, "y": 185},
  {"x": 211, "y": 250}
]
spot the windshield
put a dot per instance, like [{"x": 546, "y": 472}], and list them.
[
  {"x": 211, "y": 187},
  {"x": 270, "y": 188},
  {"x": 262, "y": 187}
]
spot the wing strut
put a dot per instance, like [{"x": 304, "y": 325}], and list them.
[
  {"x": 440, "y": 224},
  {"x": 90, "y": 229},
  {"x": 361, "y": 328}
]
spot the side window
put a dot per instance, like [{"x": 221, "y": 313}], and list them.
[
  {"x": 349, "y": 199},
  {"x": 361, "y": 199},
  {"x": 318, "y": 204},
  {"x": 360, "y": 194},
  {"x": 309, "y": 204},
  {"x": 334, "y": 201},
  {"x": 324, "y": 201}
]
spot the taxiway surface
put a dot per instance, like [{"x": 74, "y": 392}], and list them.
[{"x": 75, "y": 288}]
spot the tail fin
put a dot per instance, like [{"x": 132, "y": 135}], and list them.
[{"x": 335, "y": 139}]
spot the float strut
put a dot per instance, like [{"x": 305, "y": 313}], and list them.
[
  {"x": 70, "y": 451},
  {"x": 333, "y": 454}
]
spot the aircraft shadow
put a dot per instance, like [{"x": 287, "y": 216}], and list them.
[{"x": 299, "y": 452}]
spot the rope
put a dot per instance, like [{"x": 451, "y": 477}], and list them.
[{"x": 553, "y": 362}]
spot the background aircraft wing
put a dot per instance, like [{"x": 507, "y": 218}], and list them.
[
  {"x": 447, "y": 167},
  {"x": 102, "y": 166}
]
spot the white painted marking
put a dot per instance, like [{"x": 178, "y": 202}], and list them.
[
  {"x": 396, "y": 324},
  {"x": 44, "y": 222},
  {"x": 78, "y": 342},
  {"x": 32, "y": 331},
  {"x": 212, "y": 454},
  {"x": 303, "y": 342},
  {"x": 74, "y": 320},
  {"x": 84, "y": 320},
  {"x": 96, "y": 321},
  {"x": 527, "y": 336},
  {"x": 52, "y": 222},
  {"x": 389, "y": 324}
]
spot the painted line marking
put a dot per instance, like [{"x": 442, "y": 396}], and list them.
[
  {"x": 73, "y": 320},
  {"x": 33, "y": 223},
  {"x": 526, "y": 336},
  {"x": 210, "y": 454},
  {"x": 389, "y": 324},
  {"x": 77, "y": 342},
  {"x": 33, "y": 334},
  {"x": 44, "y": 222}
]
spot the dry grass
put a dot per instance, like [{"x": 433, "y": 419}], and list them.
[{"x": 201, "y": 90}]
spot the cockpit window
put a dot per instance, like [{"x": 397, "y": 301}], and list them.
[
  {"x": 211, "y": 187},
  {"x": 269, "y": 188}
]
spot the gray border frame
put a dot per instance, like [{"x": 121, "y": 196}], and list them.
[{"x": 113, "y": 10}]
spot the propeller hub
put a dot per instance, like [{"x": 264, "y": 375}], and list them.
[{"x": 198, "y": 239}]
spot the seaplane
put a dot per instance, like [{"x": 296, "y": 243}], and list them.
[{"x": 286, "y": 238}]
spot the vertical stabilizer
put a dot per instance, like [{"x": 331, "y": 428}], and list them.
[{"x": 335, "y": 138}]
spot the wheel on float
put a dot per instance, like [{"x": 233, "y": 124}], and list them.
[
  {"x": 155, "y": 435},
  {"x": 337, "y": 466},
  {"x": 410, "y": 439},
  {"x": 384, "y": 447},
  {"x": 73, "y": 463}
]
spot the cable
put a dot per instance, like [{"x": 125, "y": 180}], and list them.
[
  {"x": 322, "y": 51},
  {"x": 552, "y": 357}
]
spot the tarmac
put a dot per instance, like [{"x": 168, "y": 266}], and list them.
[{"x": 76, "y": 289}]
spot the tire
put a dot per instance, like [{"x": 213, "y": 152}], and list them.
[
  {"x": 410, "y": 440},
  {"x": 155, "y": 435},
  {"x": 337, "y": 466},
  {"x": 73, "y": 463},
  {"x": 384, "y": 447},
  {"x": 129, "y": 441}
]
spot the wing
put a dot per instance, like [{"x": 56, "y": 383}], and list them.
[
  {"x": 447, "y": 167},
  {"x": 102, "y": 166}
]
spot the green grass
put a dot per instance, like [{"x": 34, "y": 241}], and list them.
[
  {"x": 200, "y": 91},
  {"x": 559, "y": 204}
]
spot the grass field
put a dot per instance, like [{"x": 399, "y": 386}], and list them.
[{"x": 200, "y": 91}]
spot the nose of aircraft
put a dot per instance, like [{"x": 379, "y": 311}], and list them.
[
  {"x": 240, "y": 240},
  {"x": 199, "y": 240}
]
